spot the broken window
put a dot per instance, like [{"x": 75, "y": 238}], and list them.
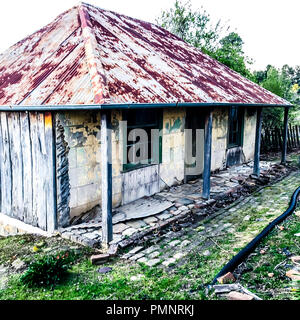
[{"x": 236, "y": 115}]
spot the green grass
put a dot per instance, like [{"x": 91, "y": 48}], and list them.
[
  {"x": 260, "y": 265},
  {"x": 84, "y": 282},
  {"x": 186, "y": 280}
]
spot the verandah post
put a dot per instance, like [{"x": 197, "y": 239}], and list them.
[
  {"x": 207, "y": 155},
  {"x": 256, "y": 168},
  {"x": 106, "y": 178},
  {"x": 285, "y": 135}
]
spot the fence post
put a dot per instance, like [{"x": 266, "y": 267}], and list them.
[
  {"x": 285, "y": 135},
  {"x": 297, "y": 135}
]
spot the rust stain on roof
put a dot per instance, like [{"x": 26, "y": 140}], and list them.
[{"x": 89, "y": 55}]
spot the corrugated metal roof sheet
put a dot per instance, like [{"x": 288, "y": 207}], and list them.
[{"x": 90, "y": 55}]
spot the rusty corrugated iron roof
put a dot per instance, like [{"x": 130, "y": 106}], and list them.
[{"x": 89, "y": 55}]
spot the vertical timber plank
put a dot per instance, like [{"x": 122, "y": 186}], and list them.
[
  {"x": 35, "y": 166},
  {"x": 42, "y": 173},
  {"x": 51, "y": 181},
  {"x": 6, "y": 183},
  {"x": 16, "y": 164},
  {"x": 27, "y": 166}
]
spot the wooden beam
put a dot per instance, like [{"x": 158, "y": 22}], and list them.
[
  {"x": 256, "y": 168},
  {"x": 106, "y": 178},
  {"x": 285, "y": 135},
  {"x": 207, "y": 155}
]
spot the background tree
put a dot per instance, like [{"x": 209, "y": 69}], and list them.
[
  {"x": 232, "y": 55},
  {"x": 196, "y": 28},
  {"x": 283, "y": 83}
]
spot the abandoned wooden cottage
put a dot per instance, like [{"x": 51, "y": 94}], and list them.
[{"x": 66, "y": 85}]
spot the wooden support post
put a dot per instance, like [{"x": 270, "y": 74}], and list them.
[
  {"x": 106, "y": 178},
  {"x": 256, "y": 168},
  {"x": 285, "y": 135},
  {"x": 207, "y": 156}
]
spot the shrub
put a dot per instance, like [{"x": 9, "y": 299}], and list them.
[{"x": 48, "y": 270}]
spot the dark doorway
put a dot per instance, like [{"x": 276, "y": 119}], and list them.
[{"x": 194, "y": 143}]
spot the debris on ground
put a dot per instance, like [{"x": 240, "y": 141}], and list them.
[
  {"x": 234, "y": 292},
  {"x": 294, "y": 274},
  {"x": 19, "y": 265},
  {"x": 104, "y": 270},
  {"x": 100, "y": 258},
  {"x": 235, "y": 295},
  {"x": 226, "y": 278}
]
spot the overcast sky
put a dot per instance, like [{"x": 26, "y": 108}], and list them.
[{"x": 269, "y": 28}]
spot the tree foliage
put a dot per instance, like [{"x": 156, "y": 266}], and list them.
[
  {"x": 232, "y": 55},
  {"x": 196, "y": 28},
  {"x": 283, "y": 83}
]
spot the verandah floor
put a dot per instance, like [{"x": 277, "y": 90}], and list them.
[{"x": 148, "y": 214}]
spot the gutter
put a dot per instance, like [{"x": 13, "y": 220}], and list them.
[{"x": 73, "y": 107}]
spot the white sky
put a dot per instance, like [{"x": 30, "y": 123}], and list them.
[{"x": 269, "y": 28}]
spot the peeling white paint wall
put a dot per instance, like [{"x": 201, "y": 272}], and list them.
[
  {"x": 219, "y": 138},
  {"x": 172, "y": 166},
  {"x": 249, "y": 133},
  {"x": 82, "y": 133}
]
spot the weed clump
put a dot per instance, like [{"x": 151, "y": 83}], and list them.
[{"x": 48, "y": 270}]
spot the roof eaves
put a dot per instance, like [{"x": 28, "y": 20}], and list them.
[
  {"x": 96, "y": 71},
  {"x": 111, "y": 106}
]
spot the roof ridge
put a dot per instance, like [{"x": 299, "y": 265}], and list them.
[{"x": 94, "y": 64}]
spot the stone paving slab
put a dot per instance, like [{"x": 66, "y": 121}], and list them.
[
  {"x": 175, "y": 246},
  {"x": 186, "y": 200}
]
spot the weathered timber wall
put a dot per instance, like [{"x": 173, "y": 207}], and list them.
[{"x": 26, "y": 168}]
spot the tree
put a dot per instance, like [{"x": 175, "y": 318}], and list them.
[
  {"x": 279, "y": 82},
  {"x": 232, "y": 55},
  {"x": 194, "y": 27}
]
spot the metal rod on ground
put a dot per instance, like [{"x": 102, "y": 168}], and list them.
[
  {"x": 207, "y": 156},
  {"x": 256, "y": 168},
  {"x": 106, "y": 178},
  {"x": 285, "y": 135}
]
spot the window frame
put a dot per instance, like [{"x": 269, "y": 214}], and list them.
[
  {"x": 240, "y": 124},
  {"x": 158, "y": 124}
]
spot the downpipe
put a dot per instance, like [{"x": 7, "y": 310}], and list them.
[{"x": 244, "y": 253}]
